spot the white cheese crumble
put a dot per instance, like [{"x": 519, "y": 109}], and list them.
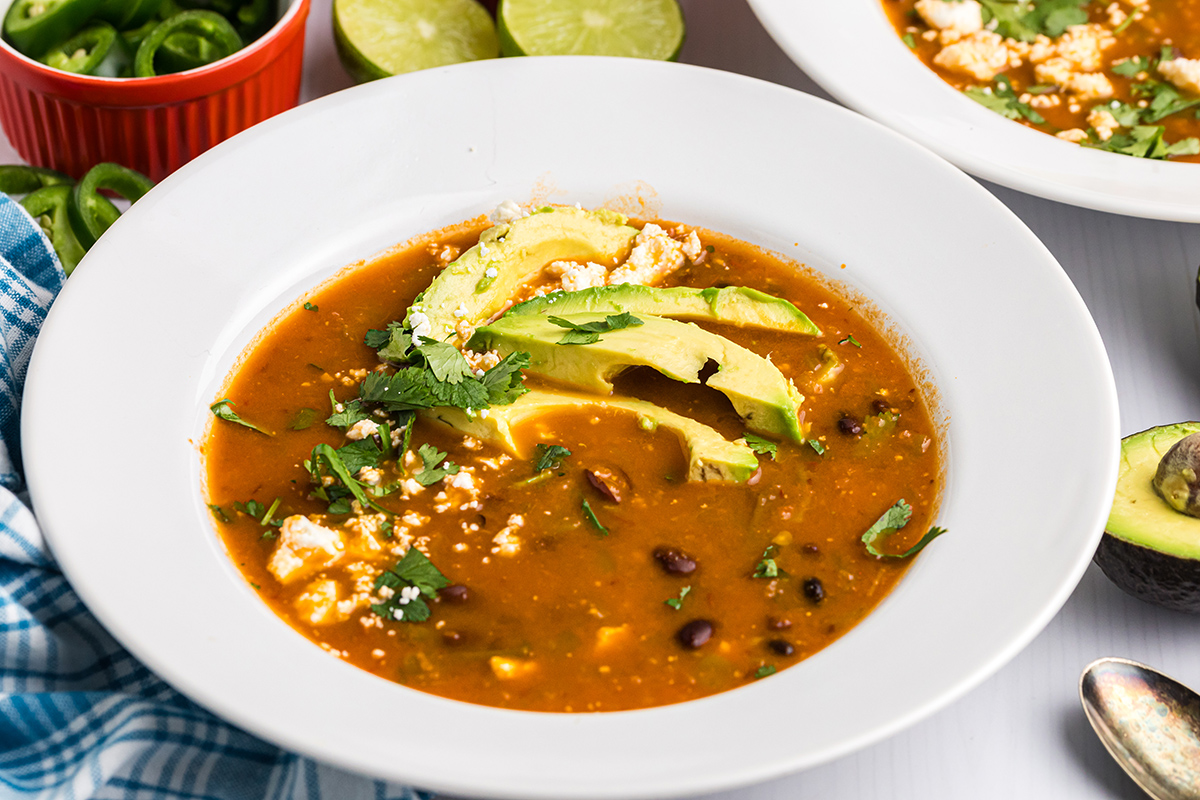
[
  {"x": 654, "y": 256},
  {"x": 422, "y": 328},
  {"x": 362, "y": 429},
  {"x": 982, "y": 55},
  {"x": 508, "y": 211},
  {"x": 304, "y": 547},
  {"x": 962, "y": 18},
  {"x": 1183, "y": 72},
  {"x": 507, "y": 542}
]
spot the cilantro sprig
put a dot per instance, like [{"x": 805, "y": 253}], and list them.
[
  {"x": 1004, "y": 100},
  {"x": 589, "y": 332},
  {"x": 1025, "y": 19},
  {"x": 413, "y": 580},
  {"x": 431, "y": 458},
  {"x": 261, "y": 514},
  {"x": 1145, "y": 141},
  {"x": 417, "y": 387},
  {"x": 764, "y": 447},
  {"x": 767, "y": 568},
  {"x": 592, "y": 518},
  {"x": 223, "y": 409},
  {"x": 676, "y": 602},
  {"x": 893, "y": 520},
  {"x": 550, "y": 456}
]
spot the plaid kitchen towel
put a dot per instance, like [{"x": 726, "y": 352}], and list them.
[{"x": 80, "y": 718}]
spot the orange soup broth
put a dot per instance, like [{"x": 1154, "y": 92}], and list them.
[{"x": 584, "y": 607}]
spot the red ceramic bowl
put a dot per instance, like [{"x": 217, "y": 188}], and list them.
[{"x": 155, "y": 125}]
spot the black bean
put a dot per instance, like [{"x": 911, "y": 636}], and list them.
[
  {"x": 454, "y": 593},
  {"x": 608, "y": 481},
  {"x": 452, "y": 637},
  {"x": 814, "y": 590},
  {"x": 850, "y": 426},
  {"x": 880, "y": 406},
  {"x": 695, "y": 633},
  {"x": 675, "y": 562},
  {"x": 781, "y": 647},
  {"x": 778, "y": 624}
]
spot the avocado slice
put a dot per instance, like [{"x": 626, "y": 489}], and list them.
[
  {"x": 479, "y": 282},
  {"x": 765, "y": 400},
  {"x": 1149, "y": 549},
  {"x": 736, "y": 305},
  {"x": 711, "y": 457}
]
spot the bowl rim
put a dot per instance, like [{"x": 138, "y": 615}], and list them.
[{"x": 176, "y": 86}]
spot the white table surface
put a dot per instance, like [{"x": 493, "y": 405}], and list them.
[{"x": 1021, "y": 734}]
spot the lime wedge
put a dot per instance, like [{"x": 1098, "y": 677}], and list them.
[
  {"x": 632, "y": 28},
  {"x": 378, "y": 38}
]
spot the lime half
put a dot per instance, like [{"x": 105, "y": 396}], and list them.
[
  {"x": 378, "y": 38},
  {"x": 632, "y": 28}
]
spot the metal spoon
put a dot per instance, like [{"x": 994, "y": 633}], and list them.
[{"x": 1150, "y": 724}]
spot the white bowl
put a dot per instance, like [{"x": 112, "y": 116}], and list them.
[
  {"x": 161, "y": 307},
  {"x": 851, "y": 49}
]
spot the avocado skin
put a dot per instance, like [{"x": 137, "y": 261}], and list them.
[{"x": 1153, "y": 577}]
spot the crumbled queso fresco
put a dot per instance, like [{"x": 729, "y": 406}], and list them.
[{"x": 1119, "y": 75}]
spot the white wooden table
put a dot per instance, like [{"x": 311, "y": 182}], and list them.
[{"x": 1022, "y": 733}]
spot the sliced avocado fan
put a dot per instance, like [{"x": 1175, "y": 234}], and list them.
[
  {"x": 711, "y": 457},
  {"x": 478, "y": 284},
  {"x": 766, "y": 401},
  {"x": 736, "y": 305}
]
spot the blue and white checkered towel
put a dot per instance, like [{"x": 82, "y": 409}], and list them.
[{"x": 79, "y": 717}]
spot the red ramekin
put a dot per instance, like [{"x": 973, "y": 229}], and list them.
[{"x": 155, "y": 125}]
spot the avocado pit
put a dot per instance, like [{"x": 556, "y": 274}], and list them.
[{"x": 1177, "y": 479}]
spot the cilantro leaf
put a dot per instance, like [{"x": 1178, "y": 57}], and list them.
[
  {"x": 909, "y": 41},
  {"x": 445, "y": 360},
  {"x": 413, "y": 570},
  {"x": 850, "y": 340},
  {"x": 432, "y": 473},
  {"x": 222, "y": 409},
  {"x": 676, "y": 602},
  {"x": 764, "y": 671},
  {"x": 376, "y": 339},
  {"x": 310, "y": 307},
  {"x": 817, "y": 447},
  {"x": 589, "y": 332},
  {"x": 760, "y": 445},
  {"x": 218, "y": 512},
  {"x": 351, "y": 414},
  {"x": 1165, "y": 100},
  {"x": 1025, "y": 19},
  {"x": 549, "y": 456},
  {"x": 505, "y": 381},
  {"x": 767, "y": 568},
  {"x": 419, "y": 571},
  {"x": 591, "y": 516},
  {"x": 1004, "y": 100},
  {"x": 1145, "y": 141},
  {"x": 262, "y": 515},
  {"x": 333, "y": 464},
  {"x": 395, "y": 347},
  {"x": 363, "y": 453},
  {"x": 1131, "y": 67},
  {"x": 893, "y": 520},
  {"x": 303, "y": 419}
]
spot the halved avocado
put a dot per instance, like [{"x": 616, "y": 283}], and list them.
[
  {"x": 711, "y": 457},
  {"x": 767, "y": 402},
  {"x": 1149, "y": 549},
  {"x": 480, "y": 281},
  {"x": 736, "y": 305}
]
